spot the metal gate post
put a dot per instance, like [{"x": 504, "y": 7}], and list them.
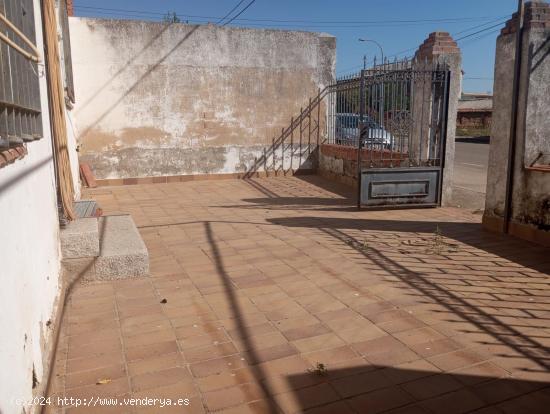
[{"x": 360, "y": 136}]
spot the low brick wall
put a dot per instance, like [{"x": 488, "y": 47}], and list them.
[{"x": 339, "y": 163}]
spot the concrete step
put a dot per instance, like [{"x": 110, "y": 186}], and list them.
[
  {"x": 123, "y": 253},
  {"x": 80, "y": 238},
  {"x": 104, "y": 248}
]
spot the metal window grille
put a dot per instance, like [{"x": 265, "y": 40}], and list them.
[
  {"x": 20, "y": 115},
  {"x": 68, "y": 64}
]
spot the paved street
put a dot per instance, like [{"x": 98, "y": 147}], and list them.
[
  {"x": 470, "y": 173},
  {"x": 277, "y": 296}
]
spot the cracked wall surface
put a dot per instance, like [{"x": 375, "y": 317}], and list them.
[
  {"x": 531, "y": 187},
  {"x": 158, "y": 99}
]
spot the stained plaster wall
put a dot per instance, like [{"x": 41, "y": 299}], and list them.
[
  {"x": 531, "y": 188},
  {"x": 158, "y": 99}
]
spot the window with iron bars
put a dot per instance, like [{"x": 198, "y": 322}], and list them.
[
  {"x": 66, "y": 50},
  {"x": 20, "y": 112}
]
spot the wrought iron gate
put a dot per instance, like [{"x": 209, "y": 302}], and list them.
[{"x": 395, "y": 114}]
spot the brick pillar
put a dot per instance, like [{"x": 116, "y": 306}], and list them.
[
  {"x": 70, "y": 7},
  {"x": 439, "y": 47},
  {"x": 531, "y": 188}
]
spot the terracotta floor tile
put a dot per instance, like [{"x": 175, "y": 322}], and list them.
[
  {"x": 177, "y": 391},
  {"x": 116, "y": 387},
  {"x": 330, "y": 356},
  {"x": 410, "y": 371},
  {"x": 439, "y": 346},
  {"x": 456, "y": 359},
  {"x": 319, "y": 342},
  {"x": 384, "y": 321},
  {"x": 378, "y": 345},
  {"x": 305, "y": 332},
  {"x": 91, "y": 377},
  {"x": 381, "y": 400},
  {"x": 108, "y": 346},
  {"x": 340, "y": 407},
  {"x": 211, "y": 338},
  {"x": 159, "y": 379},
  {"x": 232, "y": 396},
  {"x": 153, "y": 350},
  {"x": 432, "y": 385},
  {"x": 203, "y": 353},
  {"x": 258, "y": 356},
  {"x": 256, "y": 407},
  {"x": 285, "y": 366},
  {"x": 155, "y": 363},
  {"x": 226, "y": 379},
  {"x": 392, "y": 358},
  {"x": 141, "y": 339},
  {"x": 478, "y": 373},
  {"x": 260, "y": 341},
  {"x": 460, "y": 401},
  {"x": 93, "y": 362},
  {"x": 418, "y": 335},
  {"x": 362, "y": 383},
  {"x": 218, "y": 365},
  {"x": 300, "y": 400}
]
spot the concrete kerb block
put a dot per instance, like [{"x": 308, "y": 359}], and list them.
[
  {"x": 80, "y": 238},
  {"x": 123, "y": 252}
]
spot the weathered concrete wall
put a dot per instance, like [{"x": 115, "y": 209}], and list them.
[
  {"x": 158, "y": 99},
  {"x": 531, "y": 187}
]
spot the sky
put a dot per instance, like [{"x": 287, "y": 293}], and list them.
[{"x": 399, "y": 26}]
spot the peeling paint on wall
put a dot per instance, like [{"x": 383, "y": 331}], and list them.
[{"x": 169, "y": 99}]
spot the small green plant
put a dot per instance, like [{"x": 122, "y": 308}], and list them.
[
  {"x": 319, "y": 369},
  {"x": 437, "y": 241},
  {"x": 365, "y": 246}
]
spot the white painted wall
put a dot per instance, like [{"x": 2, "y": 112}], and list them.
[
  {"x": 156, "y": 99},
  {"x": 29, "y": 261}
]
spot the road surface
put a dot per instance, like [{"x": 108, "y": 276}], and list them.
[{"x": 470, "y": 173}]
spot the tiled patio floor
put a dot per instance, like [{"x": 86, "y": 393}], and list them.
[{"x": 281, "y": 297}]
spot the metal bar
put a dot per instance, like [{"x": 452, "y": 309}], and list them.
[
  {"x": 301, "y": 132},
  {"x": 23, "y": 36},
  {"x": 21, "y": 108},
  {"x": 12, "y": 125},
  {"x": 309, "y": 128},
  {"x": 25, "y": 77},
  {"x": 4, "y": 141},
  {"x": 433, "y": 114},
  {"x": 292, "y": 143},
  {"x": 38, "y": 119},
  {"x": 360, "y": 138}
]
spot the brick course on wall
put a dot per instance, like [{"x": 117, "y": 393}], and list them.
[
  {"x": 70, "y": 7},
  {"x": 339, "y": 163},
  {"x": 7, "y": 156}
]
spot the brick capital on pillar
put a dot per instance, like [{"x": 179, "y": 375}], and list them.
[
  {"x": 70, "y": 7},
  {"x": 536, "y": 16},
  {"x": 437, "y": 43},
  {"x": 441, "y": 48}
]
